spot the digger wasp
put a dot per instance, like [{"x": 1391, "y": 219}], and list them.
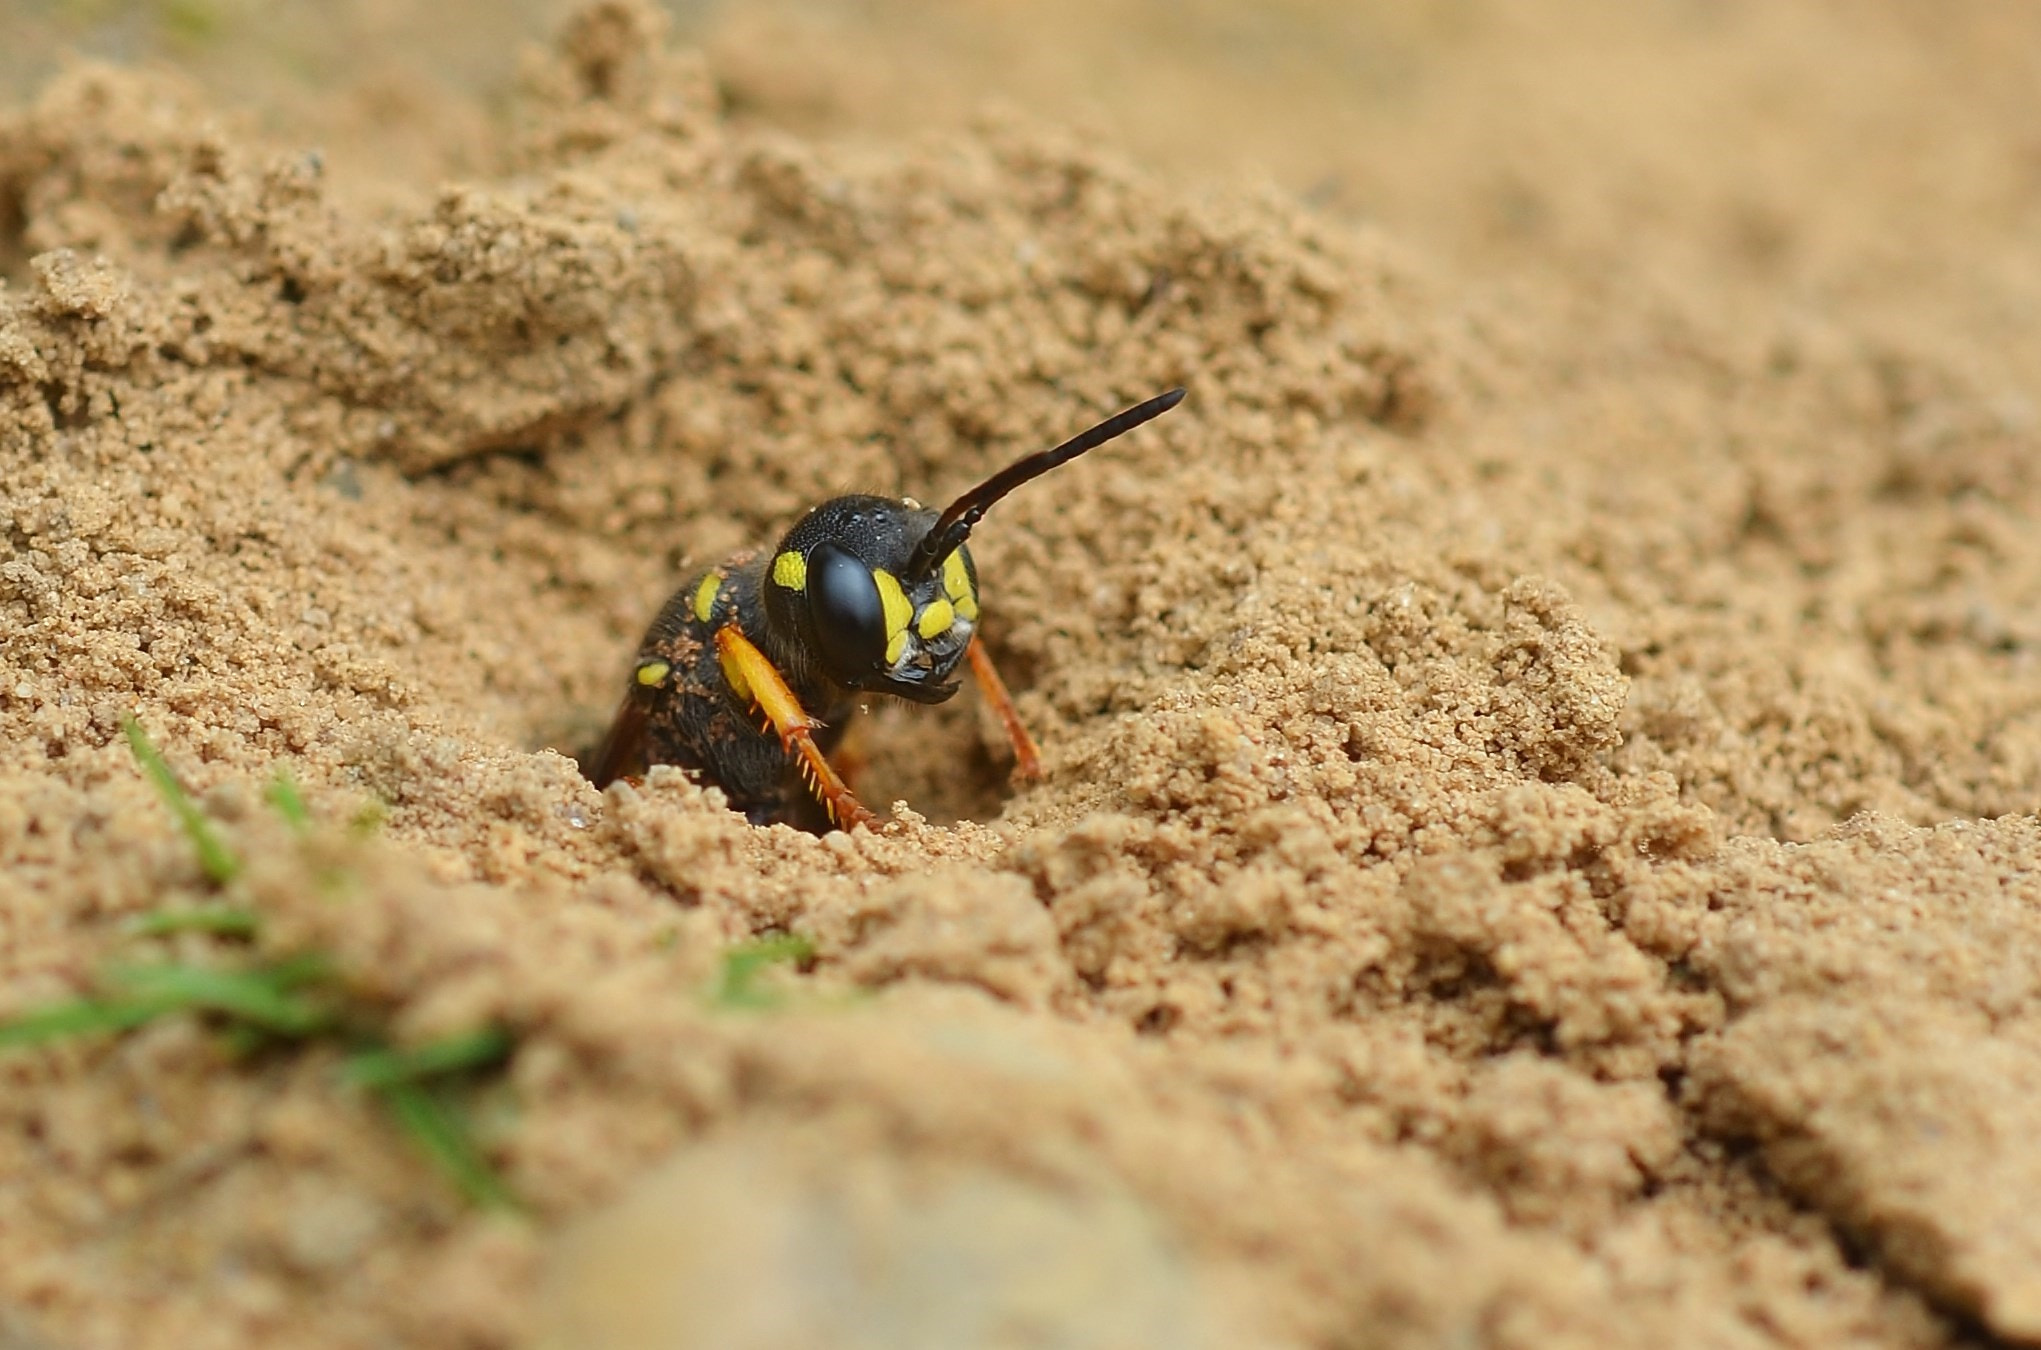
[{"x": 752, "y": 668}]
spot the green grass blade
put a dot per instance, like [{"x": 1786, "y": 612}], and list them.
[
  {"x": 295, "y": 972},
  {"x": 215, "y": 859},
  {"x": 193, "y": 22},
  {"x": 242, "y": 1040},
  {"x": 220, "y": 920},
  {"x": 368, "y": 819},
  {"x": 454, "y": 1054},
  {"x": 253, "y": 997},
  {"x": 745, "y": 962},
  {"x": 283, "y": 794},
  {"x": 80, "y": 1017},
  {"x": 442, "y": 1135}
]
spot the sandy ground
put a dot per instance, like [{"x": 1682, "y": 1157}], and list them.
[{"x": 1539, "y": 844}]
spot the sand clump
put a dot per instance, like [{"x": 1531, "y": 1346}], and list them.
[{"x": 1538, "y": 845}]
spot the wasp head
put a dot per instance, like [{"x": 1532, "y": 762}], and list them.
[
  {"x": 880, "y": 592},
  {"x": 839, "y": 583}
]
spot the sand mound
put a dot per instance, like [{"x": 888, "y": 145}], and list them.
[{"x": 1532, "y": 849}]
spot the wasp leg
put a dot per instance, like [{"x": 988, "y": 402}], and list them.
[
  {"x": 751, "y": 675},
  {"x": 850, "y": 758},
  {"x": 1027, "y": 761},
  {"x": 622, "y": 752}
]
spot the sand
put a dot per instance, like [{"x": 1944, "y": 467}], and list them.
[{"x": 1539, "y": 843}]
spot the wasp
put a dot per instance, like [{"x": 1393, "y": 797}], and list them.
[{"x": 752, "y": 668}]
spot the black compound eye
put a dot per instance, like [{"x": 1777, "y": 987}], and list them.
[{"x": 850, "y": 619}]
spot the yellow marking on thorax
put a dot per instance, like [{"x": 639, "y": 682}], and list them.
[
  {"x": 957, "y": 585},
  {"x": 935, "y": 618},
  {"x": 653, "y": 673},
  {"x": 896, "y": 647},
  {"x": 705, "y": 596},
  {"x": 790, "y": 571}
]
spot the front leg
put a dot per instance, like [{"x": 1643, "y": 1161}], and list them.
[
  {"x": 1027, "y": 761},
  {"x": 752, "y": 676}
]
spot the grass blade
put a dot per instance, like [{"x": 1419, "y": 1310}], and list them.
[
  {"x": 455, "y": 1054},
  {"x": 283, "y": 794},
  {"x": 254, "y": 997},
  {"x": 220, "y": 920},
  {"x": 442, "y": 1135},
  {"x": 215, "y": 859},
  {"x": 295, "y": 972},
  {"x": 80, "y": 1017},
  {"x": 745, "y": 962},
  {"x": 368, "y": 819}
]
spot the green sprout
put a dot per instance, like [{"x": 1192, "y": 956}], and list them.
[
  {"x": 367, "y": 820},
  {"x": 218, "y": 920},
  {"x": 292, "y": 1001},
  {"x": 283, "y": 794},
  {"x": 215, "y": 859},
  {"x": 270, "y": 999},
  {"x": 465, "y": 1053},
  {"x": 407, "y": 1081},
  {"x": 295, "y": 1000},
  {"x": 77, "y": 1017},
  {"x": 739, "y": 987},
  {"x": 441, "y": 1132},
  {"x": 265, "y": 998},
  {"x": 192, "y": 22}
]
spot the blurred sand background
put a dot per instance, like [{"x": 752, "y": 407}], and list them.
[{"x": 1540, "y": 841}]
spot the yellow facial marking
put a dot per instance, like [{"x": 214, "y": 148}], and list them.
[
  {"x": 790, "y": 571},
  {"x": 653, "y": 673},
  {"x": 957, "y": 585},
  {"x": 894, "y": 601},
  {"x": 705, "y": 596},
  {"x": 896, "y": 647},
  {"x": 936, "y": 618}
]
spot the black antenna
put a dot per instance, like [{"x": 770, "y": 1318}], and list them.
[{"x": 954, "y": 526}]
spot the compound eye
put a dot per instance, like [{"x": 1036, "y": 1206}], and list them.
[{"x": 850, "y": 619}]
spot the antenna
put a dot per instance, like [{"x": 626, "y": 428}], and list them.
[{"x": 954, "y": 526}]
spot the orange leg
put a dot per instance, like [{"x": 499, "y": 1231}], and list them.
[
  {"x": 1027, "y": 761},
  {"x": 752, "y": 675},
  {"x": 850, "y": 757}
]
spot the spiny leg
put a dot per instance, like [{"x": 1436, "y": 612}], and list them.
[
  {"x": 1027, "y": 761},
  {"x": 755, "y": 677},
  {"x": 851, "y": 757}
]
